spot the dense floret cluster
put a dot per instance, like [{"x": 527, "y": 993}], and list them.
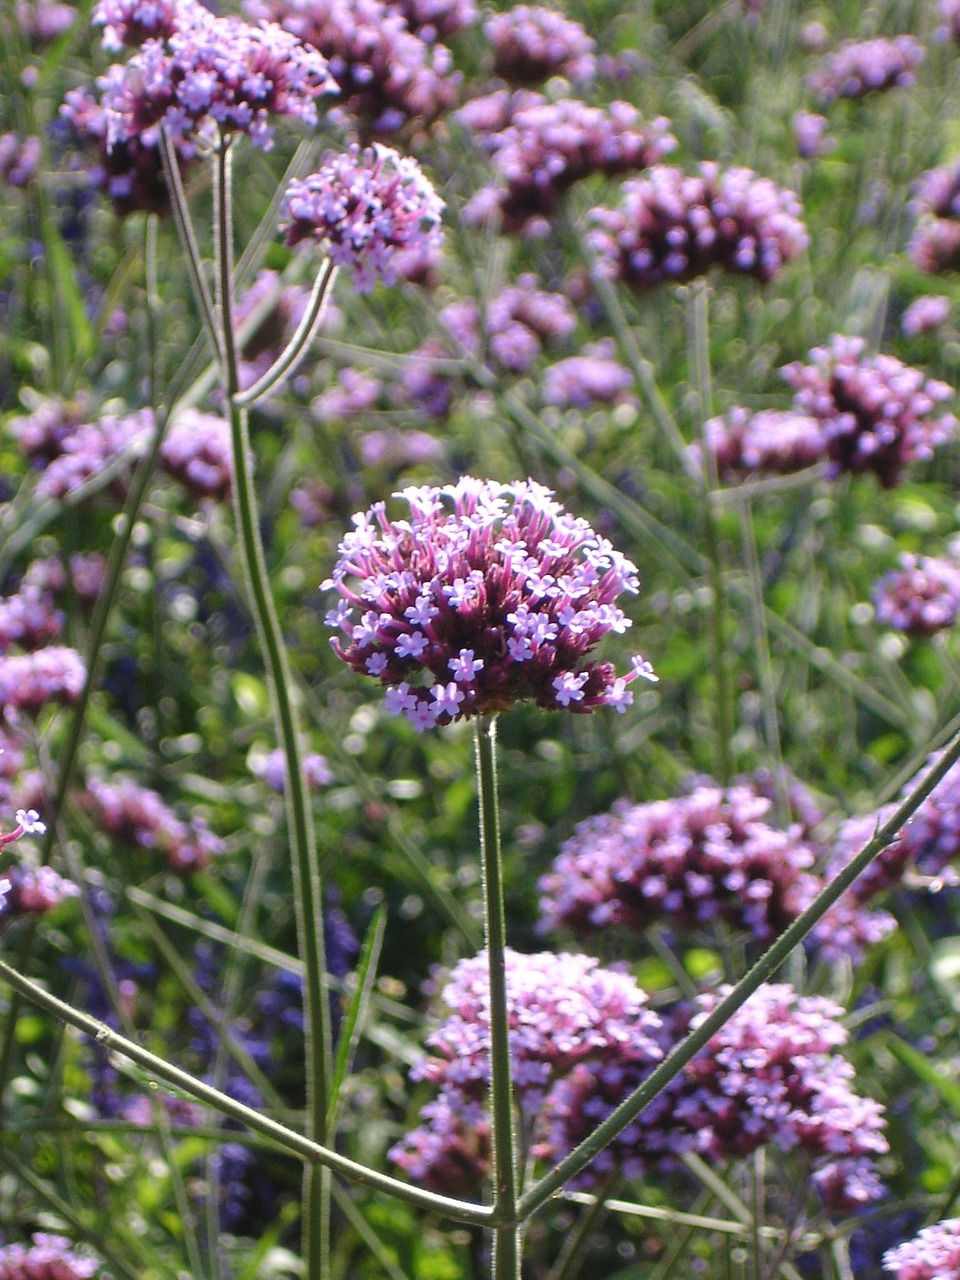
[
  {"x": 465, "y": 612},
  {"x": 272, "y": 769},
  {"x": 364, "y": 206},
  {"x": 28, "y": 619},
  {"x": 593, "y": 377},
  {"x": 933, "y": 1254},
  {"x": 48, "y": 1258},
  {"x": 810, "y": 134},
  {"x": 33, "y": 891},
  {"x": 876, "y": 413},
  {"x": 769, "y": 442},
  {"x": 532, "y": 43},
  {"x": 76, "y": 454},
  {"x": 921, "y": 597},
  {"x": 30, "y": 681},
  {"x": 540, "y": 149},
  {"x": 672, "y": 227},
  {"x": 935, "y": 243},
  {"x": 388, "y": 77},
  {"x": 140, "y": 817},
  {"x": 19, "y": 159},
  {"x": 924, "y": 315},
  {"x": 132, "y": 22},
  {"x": 949, "y": 14},
  {"x": 196, "y": 451},
  {"x": 858, "y": 67},
  {"x": 695, "y": 861},
  {"x": 436, "y": 19},
  {"x": 517, "y": 323}
]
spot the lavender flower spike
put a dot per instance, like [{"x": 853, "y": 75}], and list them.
[
  {"x": 364, "y": 206},
  {"x": 464, "y": 613}
]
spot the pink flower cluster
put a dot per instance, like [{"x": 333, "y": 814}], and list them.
[
  {"x": 935, "y": 243},
  {"x": 363, "y": 207},
  {"x": 30, "y": 681},
  {"x": 34, "y": 891},
  {"x": 89, "y": 449},
  {"x": 924, "y": 314},
  {"x": 272, "y": 769},
  {"x": 876, "y": 413},
  {"x": 196, "y": 451},
  {"x": 465, "y": 612},
  {"x": 949, "y": 14},
  {"x": 48, "y": 1258},
  {"x": 858, "y": 67},
  {"x": 695, "y": 861},
  {"x": 28, "y": 619},
  {"x": 131, "y": 22},
  {"x": 518, "y": 322},
  {"x": 140, "y": 817},
  {"x": 672, "y": 227},
  {"x": 388, "y": 77},
  {"x": 540, "y": 149},
  {"x": 436, "y": 19},
  {"x": 593, "y": 377},
  {"x": 772, "y": 441},
  {"x": 933, "y": 1254},
  {"x": 921, "y": 597},
  {"x": 532, "y": 43},
  {"x": 19, "y": 159}
]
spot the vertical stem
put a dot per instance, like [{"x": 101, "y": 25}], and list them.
[
  {"x": 699, "y": 344},
  {"x": 306, "y": 872},
  {"x": 506, "y": 1236}
]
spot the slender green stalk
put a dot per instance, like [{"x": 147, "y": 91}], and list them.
[
  {"x": 299, "y": 344},
  {"x": 764, "y": 968},
  {"x": 564, "y": 1268},
  {"x": 699, "y": 344},
  {"x": 188, "y": 240},
  {"x": 306, "y": 872},
  {"x": 506, "y": 1238}
]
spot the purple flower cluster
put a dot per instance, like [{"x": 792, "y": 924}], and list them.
[
  {"x": 89, "y": 449},
  {"x": 673, "y": 227},
  {"x": 272, "y": 769},
  {"x": 140, "y": 817},
  {"x": 464, "y": 613},
  {"x": 921, "y": 597},
  {"x": 132, "y": 22},
  {"x": 87, "y": 575},
  {"x": 933, "y": 1254},
  {"x": 40, "y": 21},
  {"x": 532, "y": 43},
  {"x": 41, "y": 432},
  {"x": 518, "y": 322},
  {"x": 771, "y": 1076},
  {"x": 542, "y": 148},
  {"x": 593, "y": 377},
  {"x": 810, "y": 133},
  {"x": 388, "y": 77},
  {"x": 396, "y": 450},
  {"x": 364, "y": 206},
  {"x": 34, "y": 891},
  {"x": 30, "y": 681},
  {"x": 935, "y": 243},
  {"x": 196, "y": 451},
  {"x": 48, "y": 1258},
  {"x": 949, "y": 13},
  {"x": 770, "y": 442},
  {"x": 211, "y": 71},
  {"x": 695, "y": 861},
  {"x": 925, "y": 314},
  {"x": 434, "y": 20},
  {"x": 858, "y": 67},
  {"x": 19, "y": 159},
  {"x": 28, "y": 619},
  {"x": 876, "y": 413}
]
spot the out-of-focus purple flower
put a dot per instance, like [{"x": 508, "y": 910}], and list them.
[
  {"x": 196, "y": 451},
  {"x": 426, "y": 387},
  {"x": 925, "y": 314},
  {"x": 41, "y": 21},
  {"x": 48, "y": 1258},
  {"x": 858, "y": 67},
  {"x": 30, "y": 681},
  {"x": 769, "y": 442},
  {"x": 88, "y": 573},
  {"x": 594, "y": 377},
  {"x": 465, "y": 612},
  {"x": 28, "y": 619},
  {"x": 935, "y": 243},
  {"x": 363, "y": 206},
  {"x": 921, "y": 597},
  {"x": 139, "y": 816},
  {"x": 937, "y": 192},
  {"x": 272, "y": 768},
  {"x": 131, "y": 22},
  {"x": 399, "y": 449},
  {"x": 673, "y": 227},
  {"x": 41, "y": 432},
  {"x": 933, "y": 1254},
  {"x": 19, "y": 159},
  {"x": 695, "y": 861},
  {"x": 211, "y": 70},
  {"x": 518, "y": 322},
  {"x": 489, "y": 114},
  {"x": 433, "y": 20},
  {"x": 532, "y": 43},
  {"x": 313, "y": 501},
  {"x": 449, "y": 1151},
  {"x": 877, "y": 414},
  {"x": 548, "y": 146},
  {"x": 93, "y": 447},
  {"x": 34, "y": 891},
  {"x": 350, "y": 397},
  {"x": 388, "y": 77},
  {"x": 949, "y": 14},
  {"x": 771, "y": 1075},
  {"x": 810, "y": 134}
]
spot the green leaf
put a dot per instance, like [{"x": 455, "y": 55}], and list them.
[{"x": 355, "y": 1012}]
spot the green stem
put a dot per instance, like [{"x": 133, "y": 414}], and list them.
[
  {"x": 506, "y": 1238},
  {"x": 289, "y": 1139},
  {"x": 299, "y": 344},
  {"x": 765, "y": 967},
  {"x": 306, "y": 872}
]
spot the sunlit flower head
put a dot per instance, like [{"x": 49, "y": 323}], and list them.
[
  {"x": 933, "y": 1254},
  {"x": 463, "y": 612},
  {"x": 858, "y": 67}
]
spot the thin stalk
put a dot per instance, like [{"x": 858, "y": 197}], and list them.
[
  {"x": 288, "y": 1139},
  {"x": 768, "y": 963},
  {"x": 299, "y": 344},
  {"x": 699, "y": 344},
  {"x": 188, "y": 239},
  {"x": 308, "y": 898},
  {"x": 564, "y": 1268},
  {"x": 506, "y": 1237}
]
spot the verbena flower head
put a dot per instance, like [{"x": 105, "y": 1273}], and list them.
[
  {"x": 139, "y": 816},
  {"x": 437, "y": 19},
  {"x": 272, "y": 768},
  {"x": 465, "y": 612},
  {"x": 935, "y": 243},
  {"x": 543, "y": 148},
  {"x": 925, "y": 314},
  {"x": 695, "y": 861},
  {"x": 196, "y": 451},
  {"x": 769, "y": 442},
  {"x": 672, "y": 227},
  {"x": 20, "y": 159},
  {"x": 93, "y": 448},
  {"x": 214, "y": 70},
  {"x": 30, "y": 681},
  {"x": 933, "y": 1254},
  {"x": 949, "y": 14},
  {"x": 34, "y": 891},
  {"x": 877, "y": 414},
  {"x": 364, "y": 206},
  {"x": 858, "y": 67},
  {"x": 810, "y": 134},
  {"x": 48, "y": 1258},
  {"x": 594, "y": 377},
  {"x": 921, "y": 597},
  {"x": 131, "y": 22},
  {"x": 532, "y": 43},
  {"x": 28, "y": 619}
]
